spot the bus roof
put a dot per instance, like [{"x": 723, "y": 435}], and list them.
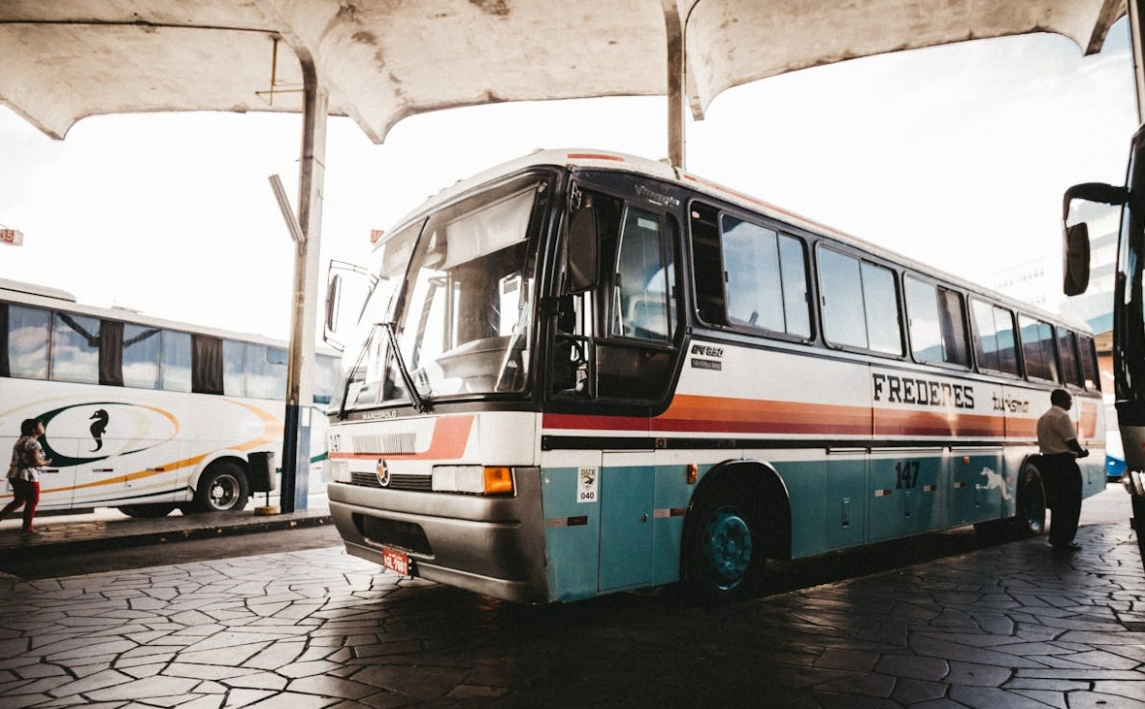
[{"x": 580, "y": 159}]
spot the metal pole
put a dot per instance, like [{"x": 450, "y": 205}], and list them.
[
  {"x": 1135, "y": 32},
  {"x": 676, "y": 73},
  {"x": 303, "y": 327}
]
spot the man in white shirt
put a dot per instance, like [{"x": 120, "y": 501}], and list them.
[{"x": 1057, "y": 441}]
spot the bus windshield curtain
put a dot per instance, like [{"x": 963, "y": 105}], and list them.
[
  {"x": 111, "y": 353},
  {"x": 206, "y": 365}
]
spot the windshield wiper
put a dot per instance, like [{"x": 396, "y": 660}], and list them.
[{"x": 420, "y": 402}]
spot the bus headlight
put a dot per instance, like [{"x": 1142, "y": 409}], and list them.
[
  {"x": 472, "y": 479},
  {"x": 338, "y": 471}
]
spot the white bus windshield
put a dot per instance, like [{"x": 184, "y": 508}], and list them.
[{"x": 461, "y": 316}]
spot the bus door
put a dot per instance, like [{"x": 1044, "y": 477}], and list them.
[
  {"x": 905, "y": 492},
  {"x": 976, "y": 479}
]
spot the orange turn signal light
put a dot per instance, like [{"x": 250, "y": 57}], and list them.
[{"x": 498, "y": 481}]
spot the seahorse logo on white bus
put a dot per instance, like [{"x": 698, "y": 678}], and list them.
[{"x": 994, "y": 480}]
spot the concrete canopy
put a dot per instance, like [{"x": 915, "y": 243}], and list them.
[{"x": 382, "y": 60}]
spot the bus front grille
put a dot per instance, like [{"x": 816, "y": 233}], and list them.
[{"x": 418, "y": 482}]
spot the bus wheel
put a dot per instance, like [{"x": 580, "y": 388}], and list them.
[
  {"x": 223, "y": 488},
  {"x": 723, "y": 551},
  {"x": 146, "y": 511},
  {"x": 1030, "y": 520}
]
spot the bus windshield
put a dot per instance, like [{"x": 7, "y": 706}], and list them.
[{"x": 460, "y": 319}]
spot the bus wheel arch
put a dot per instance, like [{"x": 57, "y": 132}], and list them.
[
  {"x": 739, "y": 517},
  {"x": 1030, "y": 513},
  {"x": 224, "y": 486}
]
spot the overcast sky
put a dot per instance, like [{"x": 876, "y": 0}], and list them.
[{"x": 956, "y": 156}]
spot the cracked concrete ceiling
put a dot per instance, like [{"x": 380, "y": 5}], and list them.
[{"x": 382, "y": 60}]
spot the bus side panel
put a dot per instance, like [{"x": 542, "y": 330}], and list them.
[
  {"x": 846, "y": 504},
  {"x": 979, "y": 492},
  {"x": 672, "y": 496},
  {"x": 907, "y": 493},
  {"x": 570, "y": 503}
]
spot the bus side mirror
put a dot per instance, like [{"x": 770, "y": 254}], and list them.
[
  {"x": 1075, "y": 256},
  {"x": 333, "y": 298},
  {"x": 1075, "y": 267},
  {"x": 580, "y": 254}
]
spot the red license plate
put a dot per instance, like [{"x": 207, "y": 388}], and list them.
[{"x": 396, "y": 561}]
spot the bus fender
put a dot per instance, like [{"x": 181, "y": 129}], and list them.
[{"x": 759, "y": 486}]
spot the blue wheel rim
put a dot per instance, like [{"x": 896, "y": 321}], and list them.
[{"x": 726, "y": 548}]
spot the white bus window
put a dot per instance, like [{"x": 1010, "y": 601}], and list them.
[
  {"x": 233, "y": 354},
  {"x": 994, "y": 338},
  {"x": 140, "y": 356},
  {"x": 847, "y": 282},
  {"x": 75, "y": 349},
  {"x": 1038, "y": 349},
  {"x": 28, "y": 330},
  {"x": 265, "y": 372},
  {"x": 937, "y": 325},
  {"x": 176, "y": 361}
]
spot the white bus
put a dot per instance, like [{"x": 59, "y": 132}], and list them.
[
  {"x": 141, "y": 414},
  {"x": 589, "y": 372}
]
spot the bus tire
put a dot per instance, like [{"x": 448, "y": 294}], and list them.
[
  {"x": 223, "y": 488},
  {"x": 1030, "y": 517},
  {"x": 723, "y": 549},
  {"x": 147, "y": 511}
]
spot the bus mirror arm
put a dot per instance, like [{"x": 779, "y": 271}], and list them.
[{"x": 1094, "y": 192}]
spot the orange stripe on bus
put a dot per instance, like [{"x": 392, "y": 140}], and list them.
[
  {"x": 450, "y": 438},
  {"x": 704, "y": 414}
]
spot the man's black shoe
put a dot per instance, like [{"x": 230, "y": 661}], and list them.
[{"x": 1066, "y": 548}]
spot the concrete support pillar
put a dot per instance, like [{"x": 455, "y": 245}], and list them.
[{"x": 304, "y": 314}]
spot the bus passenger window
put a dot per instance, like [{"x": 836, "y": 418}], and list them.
[
  {"x": 766, "y": 278},
  {"x": 994, "y": 338},
  {"x": 140, "y": 356},
  {"x": 1038, "y": 349},
  {"x": 937, "y": 325},
  {"x": 847, "y": 282},
  {"x": 264, "y": 370},
  {"x": 1068, "y": 349},
  {"x": 75, "y": 349},
  {"x": 27, "y": 332},
  {"x": 176, "y": 361},
  {"x": 1087, "y": 355}
]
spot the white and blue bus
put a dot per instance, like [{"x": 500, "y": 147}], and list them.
[
  {"x": 141, "y": 414},
  {"x": 584, "y": 373}
]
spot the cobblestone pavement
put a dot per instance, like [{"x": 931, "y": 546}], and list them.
[{"x": 1012, "y": 626}]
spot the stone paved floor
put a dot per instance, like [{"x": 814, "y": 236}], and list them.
[{"x": 1008, "y": 627}]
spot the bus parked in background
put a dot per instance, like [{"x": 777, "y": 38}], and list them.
[
  {"x": 584, "y": 373},
  {"x": 144, "y": 415}
]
